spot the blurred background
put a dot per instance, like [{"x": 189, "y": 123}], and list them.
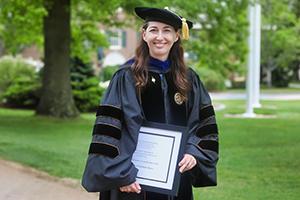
[{"x": 57, "y": 57}]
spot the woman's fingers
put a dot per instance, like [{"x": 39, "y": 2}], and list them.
[
  {"x": 123, "y": 189},
  {"x": 182, "y": 165},
  {"x": 187, "y": 163},
  {"x": 134, "y": 187},
  {"x": 138, "y": 187},
  {"x": 183, "y": 161}
]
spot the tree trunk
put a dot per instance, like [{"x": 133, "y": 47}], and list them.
[
  {"x": 269, "y": 69},
  {"x": 269, "y": 78},
  {"x": 298, "y": 73},
  {"x": 57, "y": 99}
]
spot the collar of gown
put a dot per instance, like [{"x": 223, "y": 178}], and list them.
[
  {"x": 155, "y": 65},
  {"x": 159, "y": 65}
]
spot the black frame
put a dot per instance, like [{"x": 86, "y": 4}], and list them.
[{"x": 177, "y": 175}]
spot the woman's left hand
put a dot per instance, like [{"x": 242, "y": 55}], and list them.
[{"x": 188, "y": 162}]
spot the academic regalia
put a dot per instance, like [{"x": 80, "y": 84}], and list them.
[{"x": 119, "y": 118}]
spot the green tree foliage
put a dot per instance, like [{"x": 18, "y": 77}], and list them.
[
  {"x": 219, "y": 39},
  {"x": 21, "y": 24},
  {"x": 48, "y": 22},
  {"x": 280, "y": 40},
  {"x": 87, "y": 35}
]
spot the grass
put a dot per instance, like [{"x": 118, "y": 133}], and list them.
[
  {"x": 258, "y": 157},
  {"x": 266, "y": 90},
  {"x": 56, "y": 146}
]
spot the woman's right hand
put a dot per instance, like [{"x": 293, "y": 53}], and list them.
[{"x": 133, "y": 187}]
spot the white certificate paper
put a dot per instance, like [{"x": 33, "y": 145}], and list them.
[{"x": 156, "y": 157}]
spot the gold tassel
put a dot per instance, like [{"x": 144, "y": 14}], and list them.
[{"x": 185, "y": 29}]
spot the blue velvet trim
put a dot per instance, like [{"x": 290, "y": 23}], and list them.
[{"x": 160, "y": 65}]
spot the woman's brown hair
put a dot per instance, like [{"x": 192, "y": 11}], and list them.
[{"x": 178, "y": 67}]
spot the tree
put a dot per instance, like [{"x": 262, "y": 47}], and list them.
[
  {"x": 56, "y": 98},
  {"x": 21, "y": 24},
  {"x": 219, "y": 40},
  {"x": 280, "y": 40},
  {"x": 48, "y": 22}
]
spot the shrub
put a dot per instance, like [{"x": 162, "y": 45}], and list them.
[
  {"x": 13, "y": 68},
  {"x": 211, "y": 79},
  {"x": 80, "y": 70},
  {"x": 107, "y": 73},
  {"x": 87, "y": 94},
  {"x": 19, "y": 83},
  {"x": 22, "y": 93},
  {"x": 85, "y": 86},
  {"x": 281, "y": 77}
]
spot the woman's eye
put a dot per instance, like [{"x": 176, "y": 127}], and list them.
[{"x": 152, "y": 30}]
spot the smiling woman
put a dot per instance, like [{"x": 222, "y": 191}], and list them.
[
  {"x": 156, "y": 86},
  {"x": 160, "y": 38}
]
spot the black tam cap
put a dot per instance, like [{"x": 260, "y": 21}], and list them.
[{"x": 166, "y": 16}]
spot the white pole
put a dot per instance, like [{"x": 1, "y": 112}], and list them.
[
  {"x": 256, "y": 57},
  {"x": 249, "y": 86}
]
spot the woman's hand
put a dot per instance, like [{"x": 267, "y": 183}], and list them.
[
  {"x": 188, "y": 162},
  {"x": 133, "y": 187}
]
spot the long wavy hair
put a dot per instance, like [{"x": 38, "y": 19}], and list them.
[{"x": 178, "y": 67}]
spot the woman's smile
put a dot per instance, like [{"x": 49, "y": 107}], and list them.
[
  {"x": 159, "y": 44},
  {"x": 160, "y": 38}
]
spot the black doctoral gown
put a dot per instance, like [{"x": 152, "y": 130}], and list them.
[{"x": 119, "y": 118}]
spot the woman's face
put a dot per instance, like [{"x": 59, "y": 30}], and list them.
[{"x": 160, "y": 38}]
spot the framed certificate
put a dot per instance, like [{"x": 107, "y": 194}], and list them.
[{"x": 159, "y": 150}]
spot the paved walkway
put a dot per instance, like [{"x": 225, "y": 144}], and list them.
[{"x": 23, "y": 183}]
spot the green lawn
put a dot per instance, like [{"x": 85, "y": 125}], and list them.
[
  {"x": 258, "y": 157},
  {"x": 266, "y": 90},
  {"x": 56, "y": 146}
]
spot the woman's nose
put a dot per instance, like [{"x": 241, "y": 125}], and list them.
[{"x": 159, "y": 35}]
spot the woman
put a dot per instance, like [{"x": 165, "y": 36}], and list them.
[{"x": 156, "y": 86}]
